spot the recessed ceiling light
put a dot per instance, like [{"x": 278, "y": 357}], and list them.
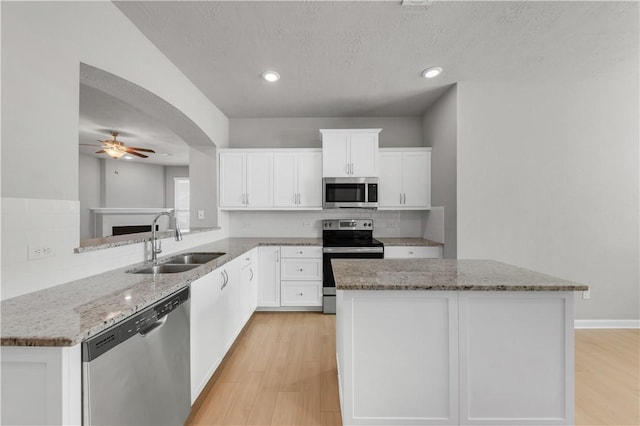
[
  {"x": 271, "y": 76},
  {"x": 128, "y": 157},
  {"x": 432, "y": 72}
]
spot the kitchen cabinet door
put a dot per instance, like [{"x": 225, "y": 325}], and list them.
[
  {"x": 232, "y": 179},
  {"x": 230, "y": 304},
  {"x": 285, "y": 180},
  {"x": 205, "y": 330},
  {"x": 335, "y": 155},
  {"x": 364, "y": 154},
  {"x": 390, "y": 186},
  {"x": 309, "y": 175},
  {"x": 416, "y": 179},
  {"x": 269, "y": 283},
  {"x": 248, "y": 293},
  {"x": 259, "y": 175},
  {"x": 405, "y": 179}
]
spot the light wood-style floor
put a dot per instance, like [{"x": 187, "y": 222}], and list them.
[{"x": 282, "y": 371}]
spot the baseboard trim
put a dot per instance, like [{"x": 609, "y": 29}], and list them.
[{"x": 630, "y": 323}]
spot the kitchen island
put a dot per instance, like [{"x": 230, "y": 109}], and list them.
[{"x": 448, "y": 342}]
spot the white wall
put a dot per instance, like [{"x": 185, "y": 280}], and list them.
[
  {"x": 129, "y": 184},
  {"x": 43, "y": 44},
  {"x": 439, "y": 126},
  {"x": 548, "y": 180},
  {"x": 304, "y": 132}
]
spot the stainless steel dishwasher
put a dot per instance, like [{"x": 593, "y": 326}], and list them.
[{"x": 137, "y": 372}]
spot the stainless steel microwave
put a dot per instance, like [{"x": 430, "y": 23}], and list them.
[{"x": 350, "y": 193}]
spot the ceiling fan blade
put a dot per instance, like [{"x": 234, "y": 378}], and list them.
[
  {"x": 141, "y": 149},
  {"x": 135, "y": 153},
  {"x": 102, "y": 151},
  {"x": 88, "y": 144}
]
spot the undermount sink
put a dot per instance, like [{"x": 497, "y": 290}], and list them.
[
  {"x": 179, "y": 263},
  {"x": 194, "y": 258},
  {"x": 165, "y": 268}
]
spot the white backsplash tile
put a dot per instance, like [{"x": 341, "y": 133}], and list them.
[{"x": 56, "y": 223}]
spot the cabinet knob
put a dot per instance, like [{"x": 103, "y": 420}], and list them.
[
  {"x": 300, "y": 252},
  {"x": 300, "y": 294},
  {"x": 300, "y": 270},
  {"x": 410, "y": 252}
]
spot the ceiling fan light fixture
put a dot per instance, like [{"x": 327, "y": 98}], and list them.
[
  {"x": 432, "y": 72},
  {"x": 271, "y": 76},
  {"x": 114, "y": 153}
]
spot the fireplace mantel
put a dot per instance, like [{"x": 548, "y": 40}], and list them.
[{"x": 130, "y": 210}]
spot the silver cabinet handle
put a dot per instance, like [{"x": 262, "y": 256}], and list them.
[
  {"x": 300, "y": 294},
  {"x": 278, "y": 256},
  {"x": 411, "y": 252},
  {"x": 401, "y": 198},
  {"x": 300, "y": 252},
  {"x": 251, "y": 270},
  {"x": 404, "y": 198},
  {"x": 300, "y": 270},
  {"x": 247, "y": 199},
  {"x": 347, "y": 168}
]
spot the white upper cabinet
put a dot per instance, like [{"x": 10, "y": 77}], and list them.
[
  {"x": 298, "y": 178},
  {"x": 246, "y": 179},
  {"x": 405, "y": 178},
  {"x": 350, "y": 152}
]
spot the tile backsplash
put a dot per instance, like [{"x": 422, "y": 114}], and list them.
[
  {"x": 29, "y": 224},
  {"x": 308, "y": 223}
]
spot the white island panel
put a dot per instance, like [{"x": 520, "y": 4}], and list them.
[
  {"x": 516, "y": 358},
  {"x": 403, "y": 352}
]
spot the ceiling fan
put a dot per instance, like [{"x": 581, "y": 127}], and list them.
[{"x": 116, "y": 149}]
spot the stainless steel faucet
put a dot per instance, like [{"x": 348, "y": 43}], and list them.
[{"x": 156, "y": 246}]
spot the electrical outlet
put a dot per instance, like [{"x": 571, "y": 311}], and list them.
[
  {"x": 586, "y": 294},
  {"x": 306, "y": 224},
  {"x": 38, "y": 252},
  {"x": 246, "y": 225},
  {"x": 200, "y": 214}
]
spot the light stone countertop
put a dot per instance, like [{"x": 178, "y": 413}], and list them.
[
  {"x": 67, "y": 314},
  {"x": 442, "y": 274},
  {"x": 93, "y": 244},
  {"x": 409, "y": 242}
]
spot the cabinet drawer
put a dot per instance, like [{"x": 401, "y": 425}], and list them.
[
  {"x": 301, "y": 269},
  {"x": 245, "y": 259},
  {"x": 301, "y": 251},
  {"x": 296, "y": 293},
  {"x": 412, "y": 252}
]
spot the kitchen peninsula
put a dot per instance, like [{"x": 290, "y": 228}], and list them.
[{"x": 448, "y": 342}]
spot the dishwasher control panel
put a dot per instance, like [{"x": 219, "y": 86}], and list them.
[{"x": 113, "y": 336}]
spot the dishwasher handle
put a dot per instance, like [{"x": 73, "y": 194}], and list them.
[{"x": 156, "y": 325}]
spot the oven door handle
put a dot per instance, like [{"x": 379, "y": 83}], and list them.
[{"x": 355, "y": 250}]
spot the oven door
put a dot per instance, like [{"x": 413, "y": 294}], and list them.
[{"x": 328, "y": 282}]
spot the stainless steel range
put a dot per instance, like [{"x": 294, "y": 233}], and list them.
[{"x": 345, "y": 239}]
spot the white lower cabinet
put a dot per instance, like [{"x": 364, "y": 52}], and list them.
[
  {"x": 301, "y": 276},
  {"x": 412, "y": 252},
  {"x": 221, "y": 304},
  {"x": 205, "y": 330},
  {"x": 269, "y": 283}
]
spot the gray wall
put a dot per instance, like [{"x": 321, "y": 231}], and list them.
[
  {"x": 203, "y": 181},
  {"x": 171, "y": 172},
  {"x": 90, "y": 188},
  {"x": 439, "y": 125},
  {"x": 303, "y": 132},
  {"x": 548, "y": 180},
  {"x": 133, "y": 184}
]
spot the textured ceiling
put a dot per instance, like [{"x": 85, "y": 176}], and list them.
[
  {"x": 101, "y": 113},
  {"x": 350, "y": 59}
]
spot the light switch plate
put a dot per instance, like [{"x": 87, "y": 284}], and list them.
[{"x": 200, "y": 214}]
